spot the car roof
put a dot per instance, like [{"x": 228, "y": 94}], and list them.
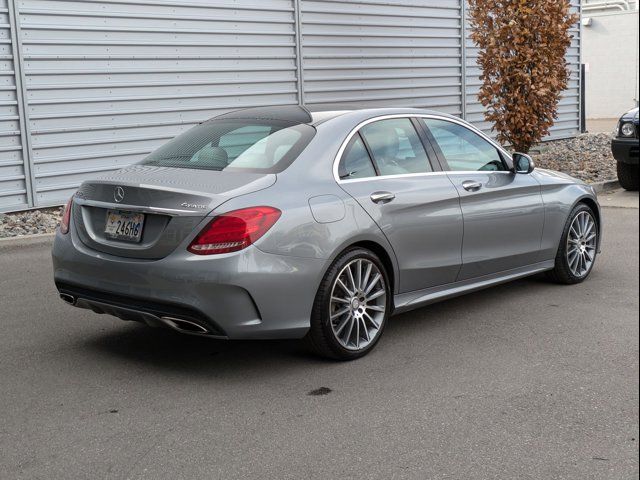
[
  {"x": 296, "y": 114},
  {"x": 358, "y": 115}
]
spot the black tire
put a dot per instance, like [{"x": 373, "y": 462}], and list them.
[
  {"x": 320, "y": 337},
  {"x": 628, "y": 176},
  {"x": 562, "y": 272}
]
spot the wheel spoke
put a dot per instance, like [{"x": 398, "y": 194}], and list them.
[
  {"x": 574, "y": 233},
  {"x": 589, "y": 228},
  {"x": 573, "y": 262},
  {"x": 371, "y": 320},
  {"x": 344, "y": 287},
  {"x": 375, "y": 295},
  {"x": 372, "y": 284},
  {"x": 348, "y": 336},
  {"x": 342, "y": 325},
  {"x": 375, "y": 308},
  {"x": 367, "y": 274},
  {"x": 365, "y": 330},
  {"x": 359, "y": 274},
  {"x": 357, "y": 322},
  {"x": 340, "y": 300},
  {"x": 350, "y": 278},
  {"x": 339, "y": 313}
]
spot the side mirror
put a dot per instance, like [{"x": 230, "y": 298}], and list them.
[{"x": 523, "y": 163}]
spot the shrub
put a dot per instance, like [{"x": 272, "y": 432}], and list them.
[{"x": 524, "y": 72}]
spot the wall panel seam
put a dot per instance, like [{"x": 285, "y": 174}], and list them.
[
  {"x": 299, "y": 54},
  {"x": 23, "y": 108}
]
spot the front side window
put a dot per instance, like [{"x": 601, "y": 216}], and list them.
[
  {"x": 463, "y": 149},
  {"x": 396, "y": 147},
  {"x": 251, "y": 145}
]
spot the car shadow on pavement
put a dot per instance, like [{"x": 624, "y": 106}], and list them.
[{"x": 166, "y": 350}]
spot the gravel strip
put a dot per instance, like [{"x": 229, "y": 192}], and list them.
[
  {"x": 587, "y": 157},
  {"x": 30, "y": 222}
]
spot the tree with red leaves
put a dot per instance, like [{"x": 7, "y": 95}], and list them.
[{"x": 522, "y": 45}]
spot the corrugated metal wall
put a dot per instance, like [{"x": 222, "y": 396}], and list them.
[
  {"x": 382, "y": 53},
  {"x": 109, "y": 80},
  {"x": 97, "y": 84}
]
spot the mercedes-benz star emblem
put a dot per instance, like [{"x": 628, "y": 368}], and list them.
[{"x": 118, "y": 194}]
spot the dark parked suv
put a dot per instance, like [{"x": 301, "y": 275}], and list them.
[{"x": 625, "y": 149}]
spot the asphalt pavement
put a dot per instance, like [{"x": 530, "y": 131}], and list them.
[{"x": 528, "y": 380}]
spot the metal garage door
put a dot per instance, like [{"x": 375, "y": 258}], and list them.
[{"x": 109, "y": 80}]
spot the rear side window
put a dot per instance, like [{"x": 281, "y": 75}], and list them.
[
  {"x": 396, "y": 147},
  {"x": 252, "y": 145},
  {"x": 355, "y": 162}
]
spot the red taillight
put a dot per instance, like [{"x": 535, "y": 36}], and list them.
[
  {"x": 66, "y": 217},
  {"x": 234, "y": 230}
]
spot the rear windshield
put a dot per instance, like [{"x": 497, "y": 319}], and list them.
[{"x": 252, "y": 145}]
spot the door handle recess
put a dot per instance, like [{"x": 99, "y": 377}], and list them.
[
  {"x": 471, "y": 186},
  {"x": 382, "y": 197}
]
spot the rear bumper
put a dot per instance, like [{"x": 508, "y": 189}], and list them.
[
  {"x": 625, "y": 150},
  {"x": 243, "y": 295},
  {"x": 154, "y": 314}
]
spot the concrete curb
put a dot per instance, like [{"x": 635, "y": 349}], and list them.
[
  {"x": 24, "y": 240},
  {"x": 606, "y": 186}
]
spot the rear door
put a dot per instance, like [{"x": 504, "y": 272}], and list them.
[
  {"x": 388, "y": 170},
  {"x": 503, "y": 211}
]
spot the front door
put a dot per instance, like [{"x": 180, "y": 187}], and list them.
[
  {"x": 503, "y": 211},
  {"x": 385, "y": 167}
]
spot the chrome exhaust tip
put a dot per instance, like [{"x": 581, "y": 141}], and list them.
[
  {"x": 184, "y": 326},
  {"x": 66, "y": 298}
]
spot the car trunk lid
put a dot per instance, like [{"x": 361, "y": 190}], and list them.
[{"x": 173, "y": 201}]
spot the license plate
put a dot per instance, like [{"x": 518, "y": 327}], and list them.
[{"x": 124, "y": 226}]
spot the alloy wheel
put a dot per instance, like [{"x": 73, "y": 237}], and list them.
[
  {"x": 582, "y": 244},
  {"x": 358, "y": 304}
]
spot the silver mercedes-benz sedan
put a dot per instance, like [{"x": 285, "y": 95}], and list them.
[{"x": 281, "y": 223}]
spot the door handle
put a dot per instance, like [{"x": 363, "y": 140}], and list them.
[
  {"x": 382, "y": 197},
  {"x": 471, "y": 186}
]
